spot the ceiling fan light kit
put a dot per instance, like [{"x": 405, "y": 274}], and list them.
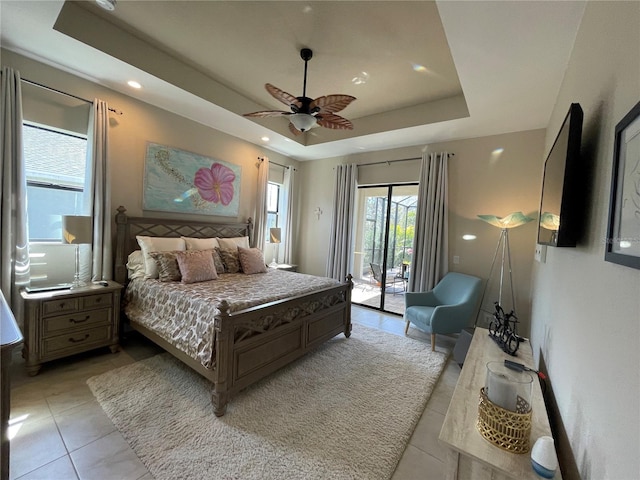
[
  {"x": 303, "y": 121},
  {"x": 306, "y": 112}
]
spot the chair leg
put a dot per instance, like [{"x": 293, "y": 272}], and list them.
[
  {"x": 406, "y": 329},
  {"x": 433, "y": 342}
]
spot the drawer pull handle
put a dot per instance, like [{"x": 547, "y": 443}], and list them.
[
  {"x": 73, "y": 340},
  {"x": 73, "y": 320}
]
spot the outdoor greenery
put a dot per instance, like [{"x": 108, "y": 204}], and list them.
[{"x": 401, "y": 231}]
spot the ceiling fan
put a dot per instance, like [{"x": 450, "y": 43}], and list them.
[{"x": 305, "y": 112}]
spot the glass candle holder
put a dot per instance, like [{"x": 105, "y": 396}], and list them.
[{"x": 508, "y": 388}]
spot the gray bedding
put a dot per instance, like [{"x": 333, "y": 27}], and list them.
[{"x": 184, "y": 314}]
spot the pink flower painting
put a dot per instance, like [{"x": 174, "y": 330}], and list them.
[{"x": 215, "y": 184}]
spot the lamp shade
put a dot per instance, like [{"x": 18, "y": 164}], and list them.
[
  {"x": 303, "y": 121},
  {"x": 275, "y": 234},
  {"x": 550, "y": 221},
  {"x": 510, "y": 221},
  {"x": 77, "y": 229}
]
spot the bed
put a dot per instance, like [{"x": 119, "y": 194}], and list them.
[{"x": 242, "y": 337}]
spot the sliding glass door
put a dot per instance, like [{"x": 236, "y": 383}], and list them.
[{"x": 384, "y": 245}]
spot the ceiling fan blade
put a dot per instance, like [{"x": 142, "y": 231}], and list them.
[
  {"x": 335, "y": 122},
  {"x": 267, "y": 113},
  {"x": 294, "y": 130},
  {"x": 331, "y": 103},
  {"x": 284, "y": 97}
]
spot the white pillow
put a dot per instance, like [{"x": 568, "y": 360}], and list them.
[
  {"x": 200, "y": 243},
  {"x": 135, "y": 265},
  {"x": 233, "y": 243},
  {"x": 157, "y": 244}
]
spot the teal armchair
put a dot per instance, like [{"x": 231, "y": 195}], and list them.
[{"x": 448, "y": 308}]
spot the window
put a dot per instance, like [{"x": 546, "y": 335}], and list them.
[
  {"x": 55, "y": 169},
  {"x": 273, "y": 202}
]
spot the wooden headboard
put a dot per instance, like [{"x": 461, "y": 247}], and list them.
[{"x": 128, "y": 227}]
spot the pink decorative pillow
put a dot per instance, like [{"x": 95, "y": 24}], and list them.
[
  {"x": 252, "y": 260},
  {"x": 196, "y": 266}
]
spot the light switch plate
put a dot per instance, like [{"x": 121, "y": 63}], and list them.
[{"x": 541, "y": 253}]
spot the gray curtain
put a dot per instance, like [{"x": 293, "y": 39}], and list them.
[
  {"x": 430, "y": 243},
  {"x": 341, "y": 240},
  {"x": 288, "y": 205},
  {"x": 98, "y": 195},
  {"x": 14, "y": 249},
  {"x": 260, "y": 222}
]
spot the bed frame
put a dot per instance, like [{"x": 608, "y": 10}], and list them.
[{"x": 249, "y": 344}]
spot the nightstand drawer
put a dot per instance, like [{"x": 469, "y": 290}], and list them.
[
  {"x": 77, "y": 321},
  {"x": 92, "y": 301},
  {"x": 76, "y": 341},
  {"x": 61, "y": 305}
]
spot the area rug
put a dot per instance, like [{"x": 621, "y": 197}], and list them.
[{"x": 344, "y": 411}]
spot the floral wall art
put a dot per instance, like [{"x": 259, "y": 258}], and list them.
[{"x": 180, "y": 181}]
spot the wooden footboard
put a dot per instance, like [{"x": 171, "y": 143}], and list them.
[{"x": 256, "y": 342}]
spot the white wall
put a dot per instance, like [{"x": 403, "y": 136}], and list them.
[
  {"x": 586, "y": 312},
  {"x": 480, "y": 182},
  {"x": 142, "y": 123}
]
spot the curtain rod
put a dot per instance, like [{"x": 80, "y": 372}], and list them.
[
  {"x": 389, "y": 162},
  {"x": 278, "y": 164},
  {"x": 36, "y": 84}
]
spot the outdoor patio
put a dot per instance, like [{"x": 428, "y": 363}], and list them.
[{"x": 367, "y": 292}]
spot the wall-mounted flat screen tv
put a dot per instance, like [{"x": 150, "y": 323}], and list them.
[{"x": 560, "y": 219}]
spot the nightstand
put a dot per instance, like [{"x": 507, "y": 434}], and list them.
[
  {"x": 287, "y": 267},
  {"x": 65, "y": 322}
]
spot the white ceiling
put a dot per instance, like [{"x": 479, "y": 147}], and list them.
[{"x": 437, "y": 71}]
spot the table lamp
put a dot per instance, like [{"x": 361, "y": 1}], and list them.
[
  {"x": 76, "y": 230},
  {"x": 275, "y": 234}
]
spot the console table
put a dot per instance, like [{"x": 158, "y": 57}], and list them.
[{"x": 471, "y": 456}]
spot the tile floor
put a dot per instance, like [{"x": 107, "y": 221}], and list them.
[{"x": 61, "y": 433}]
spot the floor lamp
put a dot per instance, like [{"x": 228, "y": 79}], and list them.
[
  {"x": 275, "y": 234},
  {"x": 513, "y": 220},
  {"x": 76, "y": 230}
]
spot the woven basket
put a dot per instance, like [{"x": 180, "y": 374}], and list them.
[{"x": 504, "y": 428}]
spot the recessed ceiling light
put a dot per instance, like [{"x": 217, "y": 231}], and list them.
[
  {"x": 360, "y": 79},
  {"x": 265, "y": 139},
  {"x": 134, "y": 84},
  {"x": 107, "y": 4}
]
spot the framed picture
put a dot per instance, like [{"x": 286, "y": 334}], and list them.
[
  {"x": 184, "y": 182},
  {"x": 623, "y": 232}
]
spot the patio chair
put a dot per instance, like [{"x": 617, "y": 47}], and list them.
[{"x": 390, "y": 279}]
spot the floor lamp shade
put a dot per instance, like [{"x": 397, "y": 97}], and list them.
[{"x": 76, "y": 230}]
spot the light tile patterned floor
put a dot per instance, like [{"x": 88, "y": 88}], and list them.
[{"x": 60, "y": 431}]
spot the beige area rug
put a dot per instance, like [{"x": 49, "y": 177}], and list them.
[{"x": 344, "y": 411}]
